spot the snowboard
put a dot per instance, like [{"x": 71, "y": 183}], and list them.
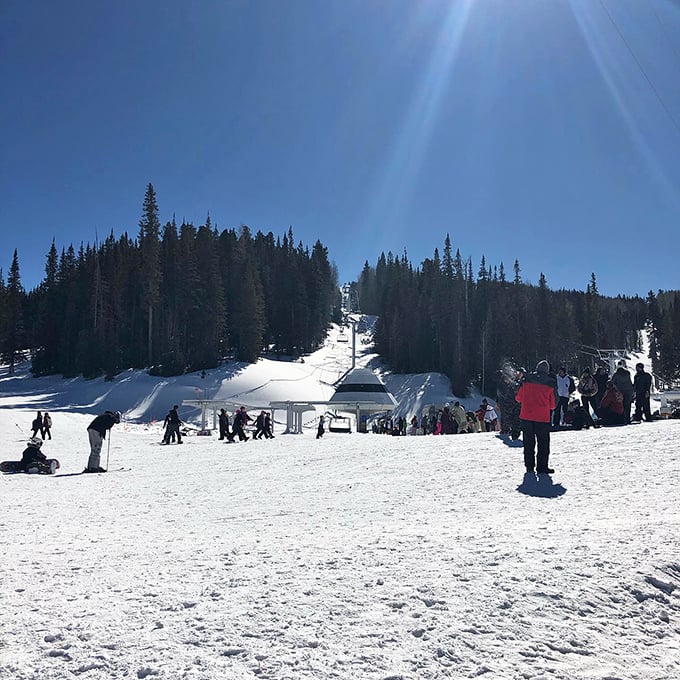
[{"x": 48, "y": 467}]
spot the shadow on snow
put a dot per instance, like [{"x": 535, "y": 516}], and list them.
[{"x": 540, "y": 486}]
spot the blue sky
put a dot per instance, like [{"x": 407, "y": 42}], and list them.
[{"x": 542, "y": 130}]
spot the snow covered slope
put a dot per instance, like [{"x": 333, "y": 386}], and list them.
[{"x": 357, "y": 557}]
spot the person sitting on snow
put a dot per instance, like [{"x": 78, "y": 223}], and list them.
[
  {"x": 33, "y": 458},
  {"x": 611, "y": 411}
]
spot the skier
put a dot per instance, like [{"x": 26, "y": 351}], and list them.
[
  {"x": 97, "y": 434},
  {"x": 172, "y": 428},
  {"x": 320, "y": 429},
  {"x": 537, "y": 397}
]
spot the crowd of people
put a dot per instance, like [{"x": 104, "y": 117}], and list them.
[
  {"x": 546, "y": 404},
  {"x": 444, "y": 420}
]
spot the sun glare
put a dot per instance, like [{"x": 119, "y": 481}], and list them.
[{"x": 403, "y": 165}]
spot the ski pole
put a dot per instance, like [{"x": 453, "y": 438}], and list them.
[
  {"x": 108, "y": 450},
  {"x": 21, "y": 430}
]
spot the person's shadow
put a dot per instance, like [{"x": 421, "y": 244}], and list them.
[
  {"x": 509, "y": 441},
  {"x": 540, "y": 486}
]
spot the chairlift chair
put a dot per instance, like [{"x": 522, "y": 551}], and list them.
[{"x": 340, "y": 424}]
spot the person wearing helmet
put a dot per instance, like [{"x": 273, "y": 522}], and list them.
[
  {"x": 97, "y": 434},
  {"x": 32, "y": 456}
]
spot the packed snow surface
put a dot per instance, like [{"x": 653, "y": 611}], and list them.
[{"x": 355, "y": 556}]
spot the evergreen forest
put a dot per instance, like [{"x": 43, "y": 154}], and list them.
[
  {"x": 442, "y": 316},
  {"x": 184, "y": 298},
  {"x": 173, "y": 300}
]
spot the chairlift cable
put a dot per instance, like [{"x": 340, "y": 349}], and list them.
[{"x": 642, "y": 70}]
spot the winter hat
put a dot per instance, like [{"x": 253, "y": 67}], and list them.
[{"x": 543, "y": 367}]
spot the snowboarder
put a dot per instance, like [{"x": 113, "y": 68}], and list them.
[
  {"x": 320, "y": 429},
  {"x": 173, "y": 423},
  {"x": 97, "y": 434},
  {"x": 33, "y": 459},
  {"x": 537, "y": 397}
]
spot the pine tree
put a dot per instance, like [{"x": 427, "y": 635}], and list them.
[
  {"x": 150, "y": 271},
  {"x": 14, "y": 335}
]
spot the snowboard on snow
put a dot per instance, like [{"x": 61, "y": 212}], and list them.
[{"x": 48, "y": 467}]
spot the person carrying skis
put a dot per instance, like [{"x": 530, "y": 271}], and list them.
[
  {"x": 173, "y": 424},
  {"x": 537, "y": 397},
  {"x": 97, "y": 434}
]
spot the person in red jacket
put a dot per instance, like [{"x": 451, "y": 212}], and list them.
[
  {"x": 611, "y": 411},
  {"x": 537, "y": 397}
]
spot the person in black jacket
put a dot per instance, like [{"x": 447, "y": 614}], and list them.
[
  {"x": 259, "y": 426},
  {"x": 224, "y": 426},
  {"x": 37, "y": 426},
  {"x": 33, "y": 458},
  {"x": 643, "y": 387},
  {"x": 172, "y": 428},
  {"x": 97, "y": 433},
  {"x": 241, "y": 419},
  {"x": 624, "y": 384},
  {"x": 268, "y": 434}
]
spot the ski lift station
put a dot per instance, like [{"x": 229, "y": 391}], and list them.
[{"x": 359, "y": 392}]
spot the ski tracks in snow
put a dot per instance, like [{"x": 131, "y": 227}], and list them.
[{"x": 357, "y": 557}]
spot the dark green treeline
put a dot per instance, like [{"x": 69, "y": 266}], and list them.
[
  {"x": 174, "y": 299},
  {"x": 443, "y": 317}
]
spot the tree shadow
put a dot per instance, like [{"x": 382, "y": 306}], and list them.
[{"x": 540, "y": 486}]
